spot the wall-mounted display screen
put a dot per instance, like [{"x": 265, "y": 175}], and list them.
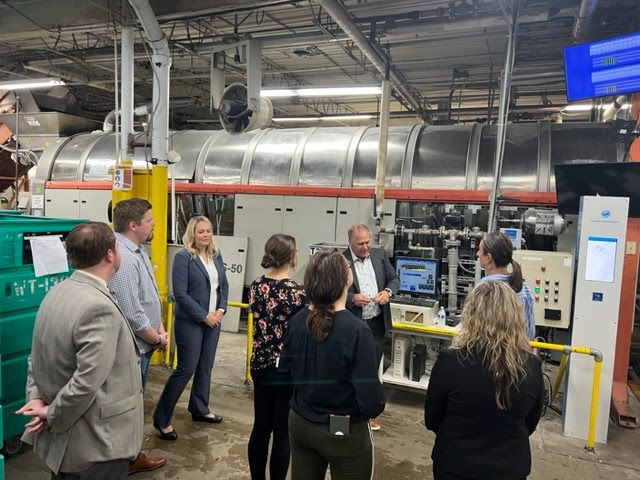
[
  {"x": 417, "y": 275},
  {"x": 601, "y": 259},
  {"x": 604, "y": 179},
  {"x": 606, "y": 67}
]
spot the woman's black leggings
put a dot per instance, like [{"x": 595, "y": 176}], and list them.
[{"x": 271, "y": 394}]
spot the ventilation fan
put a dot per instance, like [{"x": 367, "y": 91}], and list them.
[{"x": 237, "y": 116}]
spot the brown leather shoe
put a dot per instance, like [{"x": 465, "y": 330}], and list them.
[{"x": 145, "y": 463}]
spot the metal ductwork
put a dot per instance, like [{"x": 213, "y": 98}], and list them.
[
  {"x": 451, "y": 157},
  {"x": 583, "y": 18}
]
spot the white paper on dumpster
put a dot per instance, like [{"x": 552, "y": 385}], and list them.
[{"x": 49, "y": 255}]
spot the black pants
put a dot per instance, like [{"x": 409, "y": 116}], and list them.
[
  {"x": 376, "y": 324},
  {"x": 440, "y": 474},
  {"x": 111, "y": 470},
  {"x": 271, "y": 394}
]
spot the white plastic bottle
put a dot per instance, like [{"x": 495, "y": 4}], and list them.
[{"x": 442, "y": 318}]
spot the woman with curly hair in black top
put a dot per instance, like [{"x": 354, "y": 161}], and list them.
[{"x": 273, "y": 299}]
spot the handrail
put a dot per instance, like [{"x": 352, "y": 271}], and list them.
[
  {"x": 566, "y": 349},
  {"x": 247, "y": 363}
]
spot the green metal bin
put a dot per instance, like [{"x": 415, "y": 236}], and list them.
[{"x": 20, "y": 296}]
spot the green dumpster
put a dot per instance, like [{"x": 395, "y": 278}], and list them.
[{"x": 21, "y": 293}]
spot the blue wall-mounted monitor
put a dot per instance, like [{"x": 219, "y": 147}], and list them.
[
  {"x": 417, "y": 275},
  {"x": 603, "y": 68}
]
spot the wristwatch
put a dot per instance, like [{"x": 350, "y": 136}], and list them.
[
  {"x": 388, "y": 290},
  {"x": 158, "y": 342}
]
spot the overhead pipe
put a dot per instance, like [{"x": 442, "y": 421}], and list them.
[
  {"x": 614, "y": 108},
  {"x": 583, "y": 18},
  {"x": 345, "y": 22},
  {"x": 161, "y": 62},
  {"x": 383, "y": 138},
  {"x": 127, "y": 85},
  {"x": 503, "y": 114},
  {"x": 109, "y": 121}
]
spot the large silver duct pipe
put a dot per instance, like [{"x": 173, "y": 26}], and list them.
[
  {"x": 583, "y": 18},
  {"x": 344, "y": 21},
  {"x": 161, "y": 62}
]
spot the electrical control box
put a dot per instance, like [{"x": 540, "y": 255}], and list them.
[
  {"x": 415, "y": 311},
  {"x": 401, "y": 350},
  {"x": 550, "y": 278}
]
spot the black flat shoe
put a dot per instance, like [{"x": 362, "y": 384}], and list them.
[
  {"x": 171, "y": 436},
  {"x": 205, "y": 419}
]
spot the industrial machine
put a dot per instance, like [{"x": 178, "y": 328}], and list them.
[{"x": 314, "y": 183}]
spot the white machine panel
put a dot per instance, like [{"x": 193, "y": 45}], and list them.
[
  {"x": 601, "y": 238},
  {"x": 310, "y": 220},
  {"x": 550, "y": 277},
  {"x": 85, "y": 204},
  {"x": 257, "y": 217}
]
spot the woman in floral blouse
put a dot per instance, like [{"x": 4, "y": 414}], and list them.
[{"x": 273, "y": 298}]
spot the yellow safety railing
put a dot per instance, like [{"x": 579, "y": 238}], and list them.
[
  {"x": 247, "y": 361},
  {"x": 566, "y": 349}
]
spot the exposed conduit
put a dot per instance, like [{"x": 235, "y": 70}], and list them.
[
  {"x": 345, "y": 22},
  {"x": 583, "y": 18},
  {"x": 69, "y": 76}
]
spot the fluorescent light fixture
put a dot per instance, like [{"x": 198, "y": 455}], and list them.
[
  {"x": 321, "y": 92},
  {"x": 31, "y": 83},
  {"x": 329, "y": 118},
  {"x": 585, "y": 107}
]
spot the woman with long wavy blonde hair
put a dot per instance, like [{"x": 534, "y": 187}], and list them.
[{"x": 485, "y": 394}]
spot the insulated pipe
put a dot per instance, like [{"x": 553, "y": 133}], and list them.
[
  {"x": 127, "y": 85},
  {"x": 583, "y": 18},
  {"x": 503, "y": 113},
  {"x": 616, "y": 105},
  {"x": 161, "y": 62},
  {"x": 345, "y": 22},
  {"x": 383, "y": 138}
]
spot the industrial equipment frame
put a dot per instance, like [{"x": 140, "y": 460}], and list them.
[{"x": 566, "y": 349}]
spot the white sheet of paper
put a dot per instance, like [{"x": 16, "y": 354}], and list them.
[{"x": 49, "y": 255}]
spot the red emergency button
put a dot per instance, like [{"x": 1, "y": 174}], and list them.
[
  {"x": 537, "y": 297},
  {"x": 543, "y": 267},
  {"x": 537, "y": 281}
]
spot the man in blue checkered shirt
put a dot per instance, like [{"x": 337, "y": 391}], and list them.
[{"x": 135, "y": 289}]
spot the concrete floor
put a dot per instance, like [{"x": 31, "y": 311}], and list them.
[{"x": 402, "y": 447}]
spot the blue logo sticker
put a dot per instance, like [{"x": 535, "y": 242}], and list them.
[
  {"x": 597, "y": 296},
  {"x": 605, "y": 213}
]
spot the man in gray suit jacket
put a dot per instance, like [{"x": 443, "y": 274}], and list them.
[
  {"x": 84, "y": 391},
  {"x": 375, "y": 282}
]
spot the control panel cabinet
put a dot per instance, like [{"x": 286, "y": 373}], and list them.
[{"x": 550, "y": 278}]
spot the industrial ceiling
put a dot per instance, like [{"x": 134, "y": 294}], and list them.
[{"x": 446, "y": 57}]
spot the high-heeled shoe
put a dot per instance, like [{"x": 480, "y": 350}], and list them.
[
  {"x": 170, "y": 436},
  {"x": 206, "y": 419}
]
